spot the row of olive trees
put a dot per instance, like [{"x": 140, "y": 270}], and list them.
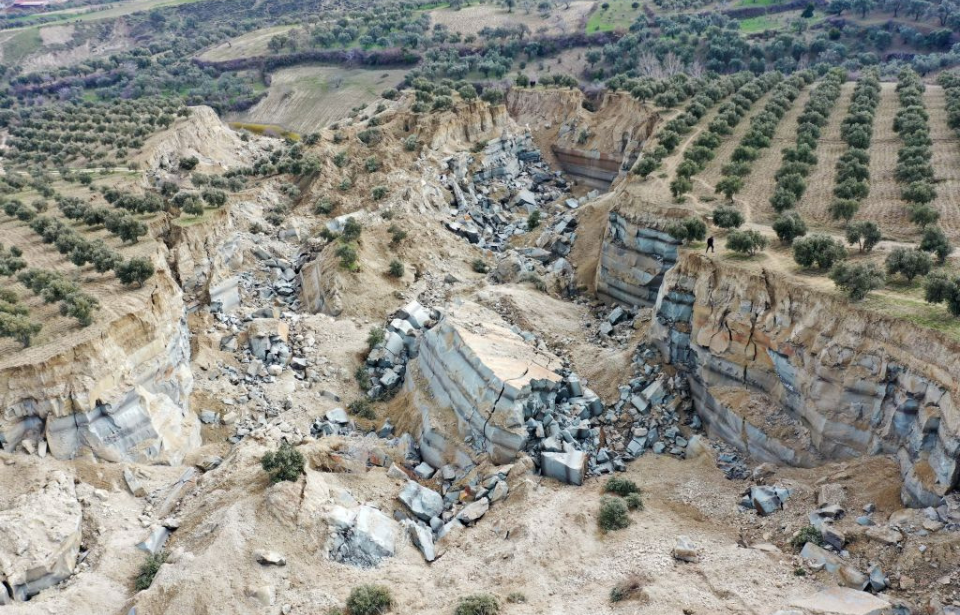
[
  {"x": 799, "y": 161},
  {"x": 852, "y": 180},
  {"x": 728, "y": 116},
  {"x": 669, "y": 137}
]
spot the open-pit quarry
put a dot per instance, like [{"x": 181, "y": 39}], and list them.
[{"x": 459, "y": 422}]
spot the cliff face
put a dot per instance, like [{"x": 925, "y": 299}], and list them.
[
  {"x": 122, "y": 394},
  {"x": 593, "y": 140},
  {"x": 795, "y": 376}
]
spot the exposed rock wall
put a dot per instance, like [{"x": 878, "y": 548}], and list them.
[
  {"x": 594, "y": 140},
  {"x": 634, "y": 256},
  {"x": 471, "y": 380},
  {"x": 795, "y": 376},
  {"x": 122, "y": 394}
]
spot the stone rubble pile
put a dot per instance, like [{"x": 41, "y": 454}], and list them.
[
  {"x": 494, "y": 203},
  {"x": 386, "y": 364}
]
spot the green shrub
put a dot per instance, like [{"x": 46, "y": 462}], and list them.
[
  {"x": 478, "y": 604},
  {"x": 866, "y": 234},
  {"x": 362, "y": 376},
  {"x": 620, "y": 486},
  {"x": 396, "y": 269},
  {"x": 789, "y": 226},
  {"x": 352, "y": 229},
  {"x": 533, "y": 220},
  {"x": 348, "y": 256},
  {"x": 363, "y": 408},
  {"x": 397, "y": 235},
  {"x": 727, "y": 217},
  {"x": 323, "y": 207},
  {"x": 746, "y": 242},
  {"x": 516, "y": 598},
  {"x": 634, "y": 501},
  {"x": 688, "y": 229},
  {"x": 375, "y": 336},
  {"x": 480, "y": 266},
  {"x": 148, "y": 570},
  {"x": 908, "y": 262},
  {"x": 378, "y": 192},
  {"x": 369, "y": 600},
  {"x": 934, "y": 240},
  {"x": 806, "y": 534},
  {"x": 818, "y": 251},
  {"x": 857, "y": 280},
  {"x": 614, "y": 514},
  {"x": 286, "y": 464}
]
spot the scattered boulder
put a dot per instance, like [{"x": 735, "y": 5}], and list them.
[
  {"x": 270, "y": 558},
  {"x": 361, "y": 536},
  {"x": 685, "y": 550},
  {"x": 569, "y": 467},
  {"x": 472, "y": 512},
  {"x": 842, "y": 601},
  {"x": 768, "y": 500},
  {"x": 423, "y": 502}
]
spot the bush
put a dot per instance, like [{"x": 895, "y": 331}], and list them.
[
  {"x": 136, "y": 270},
  {"x": 478, "y": 604},
  {"x": 866, "y": 234},
  {"x": 378, "y": 192},
  {"x": 818, "y": 251},
  {"x": 923, "y": 215},
  {"x": 18, "y": 326},
  {"x": 634, "y": 501},
  {"x": 844, "y": 209},
  {"x": 149, "y": 570},
  {"x": 286, "y": 464},
  {"x": 857, "y": 280},
  {"x": 746, "y": 242},
  {"x": 727, "y": 217},
  {"x": 396, "y": 269},
  {"x": 789, "y": 226},
  {"x": 805, "y": 535},
  {"x": 533, "y": 220},
  {"x": 375, "y": 337},
  {"x": 351, "y": 230},
  {"x": 369, "y": 600},
  {"x": 935, "y": 241},
  {"x": 190, "y": 163},
  {"x": 480, "y": 266},
  {"x": 688, "y": 229},
  {"x": 516, "y": 598},
  {"x": 362, "y": 407},
  {"x": 908, "y": 262},
  {"x": 621, "y": 486},
  {"x": 629, "y": 588},
  {"x": 614, "y": 514},
  {"x": 362, "y": 376},
  {"x": 397, "y": 235}
]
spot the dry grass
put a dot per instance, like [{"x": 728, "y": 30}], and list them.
[
  {"x": 472, "y": 19},
  {"x": 307, "y": 98},
  {"x": 250, "y": 44}
]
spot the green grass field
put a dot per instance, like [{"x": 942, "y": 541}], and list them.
[
  {"x": 20, "y": 45},
  {"x": 618, "y": 16}
]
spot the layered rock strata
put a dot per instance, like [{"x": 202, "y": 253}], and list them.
[{"x": 793, "y": 375}]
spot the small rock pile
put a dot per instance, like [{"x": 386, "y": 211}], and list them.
[
  {"x": 453, "y": 505},
  {"x": 386, "y": 364}
]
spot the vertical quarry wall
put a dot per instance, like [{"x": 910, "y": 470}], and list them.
[{"x": 784, "y": 372}]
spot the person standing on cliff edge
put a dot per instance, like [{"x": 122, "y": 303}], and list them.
[{"x": 710, "y": 245}]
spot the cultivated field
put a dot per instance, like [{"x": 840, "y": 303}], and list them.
[
  {"x": 759, "y": 185},
  {"x": 946, "y": 162},
  {"x": 618, "y": 16},
  {"x": 307, "y": 98},
  {"x": 472, "y": 19},
  {"x": 250, "y": 44},
  {"x": 815, "y": 204},
  {"x": 114, "y": 298},
  {"x": 883, "y": 205}
]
